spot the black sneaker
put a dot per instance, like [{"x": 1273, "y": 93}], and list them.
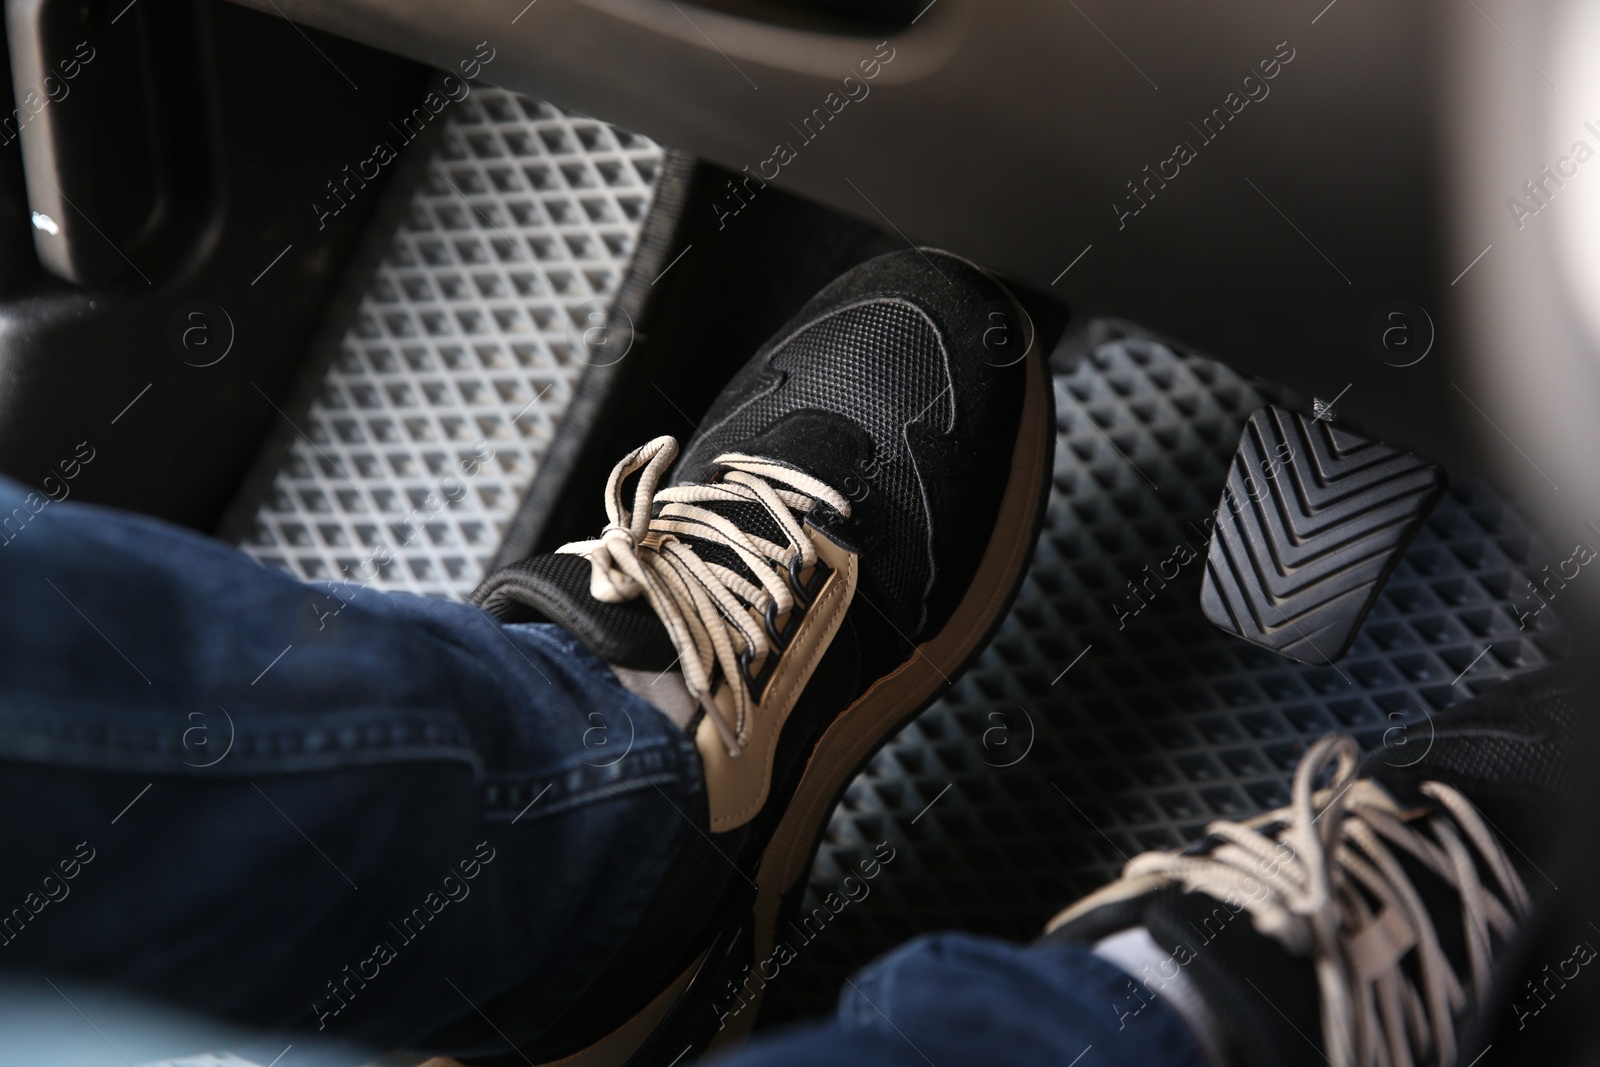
[
  {"x": 1361, "y": 924},
  {"x": 838, "y": 541}
]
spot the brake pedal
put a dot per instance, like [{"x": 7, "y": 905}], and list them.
[{"x": 1312, "y": 521}]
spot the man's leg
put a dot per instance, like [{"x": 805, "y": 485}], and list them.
[
  {"x": 316, "y": 806},
  {"x": 956, "y": 1000},
  {"x": 837, "y": 543}
]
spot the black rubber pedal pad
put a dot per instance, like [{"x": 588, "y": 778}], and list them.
[{"x": 1313, "y": 519}]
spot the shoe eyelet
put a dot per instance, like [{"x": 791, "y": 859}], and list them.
[
  {"x": 780, "y": 639},
  {"x": 805, "y": 592},
  {"x": 757, "y": 684}
]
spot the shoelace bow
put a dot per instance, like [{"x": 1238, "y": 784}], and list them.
[
  {"x": 714, "y": 616},
  {"x": 1343, "y": 897}
]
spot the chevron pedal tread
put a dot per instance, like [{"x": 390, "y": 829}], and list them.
[{"x": 1313, "y": 518}]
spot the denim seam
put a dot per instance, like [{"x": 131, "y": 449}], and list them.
[
  {"x": 45, "y": 740},
  {"x": 583, "y": 798},
  {"x": 230, "y": 767},
  {"x": 576, "y": 781}
]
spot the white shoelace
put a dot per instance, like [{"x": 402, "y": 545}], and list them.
[
  {"x": 714, "y": 616},
  {"x": 1343, "y": 898}
]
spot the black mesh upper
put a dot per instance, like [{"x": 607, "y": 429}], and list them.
[{"x": 881, "y": 366}]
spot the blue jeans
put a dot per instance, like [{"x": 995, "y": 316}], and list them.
[
  {"x": 376, "y": 816},
  {"x": 956, "y": 1000}
]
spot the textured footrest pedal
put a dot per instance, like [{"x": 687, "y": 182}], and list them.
[{"x": 1313, "y": 518}]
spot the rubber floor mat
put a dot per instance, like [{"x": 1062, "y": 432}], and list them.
[{"x": 1103, "y": 720}]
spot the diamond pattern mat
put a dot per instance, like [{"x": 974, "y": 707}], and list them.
[
  {"x": 1105, "y": 720},
  {"x": 464, "y": 353}
]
